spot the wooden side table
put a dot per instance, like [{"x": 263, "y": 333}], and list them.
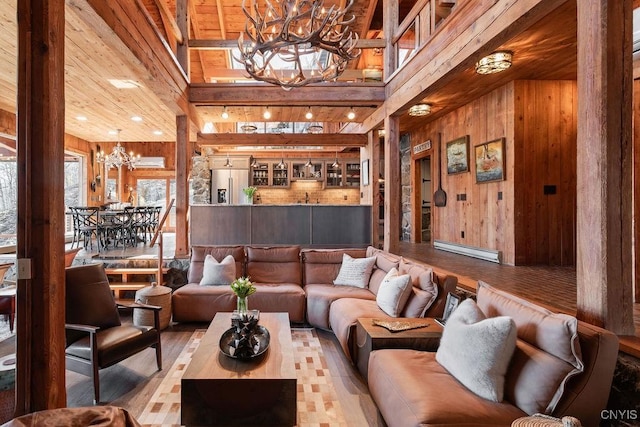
[{"x": 370, "y": 337}]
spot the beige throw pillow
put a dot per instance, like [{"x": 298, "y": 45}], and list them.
[
  {"x": 355, "y": 271},
  {"x": 394, "y": 292},
  {"x": 477, "y": 350},
  {"x": 218, "y": 273}
]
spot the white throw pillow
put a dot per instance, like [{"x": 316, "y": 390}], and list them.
[
  {"x": 394, "y": 292},
  {"x": 355, "y": 271},
  {"x": 218, "y": 273},
  {"x": 477, "y": 350}
]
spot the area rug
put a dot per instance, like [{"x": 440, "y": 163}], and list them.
[{"x": 318, "y": 404}]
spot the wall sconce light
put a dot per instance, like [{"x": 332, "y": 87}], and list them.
[
  {"x": 225, "y": 114},
  {"x": 494, "y": 63},
  {"x": 309, "y": 114},
  {"x": 266, "y": 114},
  {"x": 420, "y": 110}
]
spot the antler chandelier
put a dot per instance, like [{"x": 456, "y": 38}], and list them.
[
  {"x": 118, "y": 157},
  {"x": 316, "y": 41}
]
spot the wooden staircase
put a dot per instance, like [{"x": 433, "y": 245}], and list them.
[{"x": 128, "y": 283}]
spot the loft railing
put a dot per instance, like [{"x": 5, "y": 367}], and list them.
[
  {"x": 417, "y": 28},
  {"x": 158, "y": 237}
]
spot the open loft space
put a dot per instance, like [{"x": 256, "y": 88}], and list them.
[{"x": 331, "y": 208}]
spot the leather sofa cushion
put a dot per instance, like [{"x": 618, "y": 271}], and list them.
[
  {"x": 425, "y": 290},
  {"x": 320, "y": 298},
  {"x": 283, "y": 297},
  {"x": 343, "y": 315},
  {"x": 321, "y": 266},
  {"x": 385, "y": 261},
  {"x": 274, "y": 265},
  {"x": 410, "y": 388},
  {"x": 547, "y": 352},
  {"x": 195, "y": 303},
  {"x": 199, "y": 253}
]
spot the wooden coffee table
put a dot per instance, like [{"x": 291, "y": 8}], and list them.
[
  {"x": 219, "y": 390},
  {"x": 370, "y": 337}
]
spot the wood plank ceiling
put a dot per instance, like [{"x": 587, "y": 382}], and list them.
[{"x": 545, "y": 51}]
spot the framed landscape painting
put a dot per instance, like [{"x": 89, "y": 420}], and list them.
[
  {"x": 489, "y": 158},
  {"x": 458, "y": 155}
]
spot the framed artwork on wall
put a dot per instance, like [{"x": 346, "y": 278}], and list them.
[
  {"x": 489, "y": 159},
  {"x": 458, "y": 155}
]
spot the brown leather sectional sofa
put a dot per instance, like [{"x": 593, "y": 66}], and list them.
[
  {"x": 409, "y": 387},
  {"x": 300, "y": 282}
]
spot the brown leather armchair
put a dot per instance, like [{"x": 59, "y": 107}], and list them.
[{"x": 95, "y": 336}]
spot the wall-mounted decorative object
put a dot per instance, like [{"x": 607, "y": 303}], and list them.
[
  {"x": 489, "y": 158},
  {"x": 365, "y": 172},
  {"x": 458, "y": 155}
]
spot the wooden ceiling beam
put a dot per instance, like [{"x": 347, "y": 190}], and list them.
[
  {"x": 211, "y": 44},
  {"x": 283, "y": 139},
  {"x": 165, "y": 14},
  {"x": 334, "y": 94}
]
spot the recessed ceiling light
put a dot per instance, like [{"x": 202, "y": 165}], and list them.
[
  {"x": 81, "y": 118},
  {"x": 157, "y": 132},
  {"x": 113, "y": 132},
  {"x": 136, "y": 118},
  {"x": 124, "y": 84}
]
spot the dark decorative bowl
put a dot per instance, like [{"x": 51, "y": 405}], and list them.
[{"x": 245, "y": 348}]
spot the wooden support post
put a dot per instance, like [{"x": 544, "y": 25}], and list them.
[
  {"x": 40, "y": 364},
  {"x": 374, "y": 149},
  {"x": 604, "y": 209},
  {"x": 390, "y": 23},
  {"x": 392, "y": 190},
  {"x": 182, "y": 192}
]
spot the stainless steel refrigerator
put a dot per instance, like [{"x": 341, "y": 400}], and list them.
[{"x": 227, "y": 185}]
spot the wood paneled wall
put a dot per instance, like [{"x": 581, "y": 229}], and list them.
[
  {"x": 538, "y": 121},
  {"x": 545, "y": 131}
]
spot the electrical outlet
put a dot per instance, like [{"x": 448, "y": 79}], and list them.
[{"x": 462, "y": 234}]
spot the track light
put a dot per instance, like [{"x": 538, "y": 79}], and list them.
[
  {"x": 352, "y": 114},
  {"x": 224, "y": 114},
  {"x": 266, "y": 114},
  {"x": 309, "y": 114}
]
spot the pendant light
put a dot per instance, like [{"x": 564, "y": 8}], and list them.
[
  {"x": 228, "y": 163},
  {"x": 336, "y": 164}
]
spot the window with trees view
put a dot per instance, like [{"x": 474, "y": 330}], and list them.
[{"x": 9, "y": 195}]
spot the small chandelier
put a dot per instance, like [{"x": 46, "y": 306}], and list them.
[
  {"x": 494, "y": 63},
  {"x": 420, "y": 110},
  {"x": 118, "y": 157},
  {"x": 315, "y": 40}
]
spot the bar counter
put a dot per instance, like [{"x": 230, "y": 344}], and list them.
[{"x": 307, "y": 225}]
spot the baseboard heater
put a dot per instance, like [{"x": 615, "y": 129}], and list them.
[{"x": 480, "y": 253}]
